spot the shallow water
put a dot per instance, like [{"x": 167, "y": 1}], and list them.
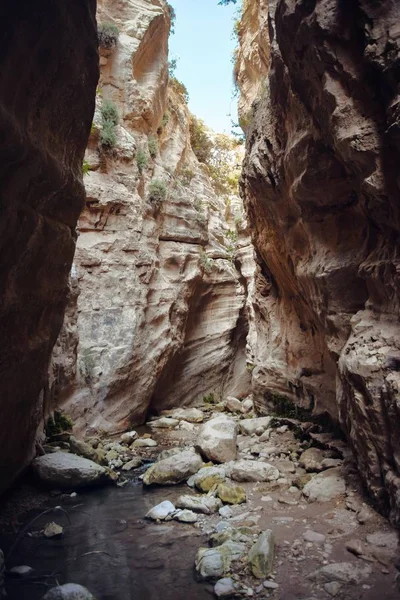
[{"x": 144, "y": 560}]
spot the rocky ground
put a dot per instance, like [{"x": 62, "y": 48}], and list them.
[{"x": 278, "y": 500}]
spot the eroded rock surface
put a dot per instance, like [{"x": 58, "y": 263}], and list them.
[
  {"x": 49, "y": 56},
  {"x": 160, "y": 317},
  {"x": 322, "y": 192}
]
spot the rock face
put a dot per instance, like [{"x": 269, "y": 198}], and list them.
[
  {"x": 160, "y": 316},
  {"x": 49, "y": 55},
  {"x": 321, "y": 187}
]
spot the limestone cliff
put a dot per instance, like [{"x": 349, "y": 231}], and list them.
[
  {"x": 159, "y": 319},
  {"x": 48, "y": 70},
  {"x": 322, "y": 192}
]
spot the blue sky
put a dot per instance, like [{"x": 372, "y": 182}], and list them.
[{"x": 203, "y": 44}]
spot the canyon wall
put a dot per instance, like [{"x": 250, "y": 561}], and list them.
[
  {"x": 321, "y": 188},
  {"x": 157, "y": 312},
  {"x": 49, "y": 70}
]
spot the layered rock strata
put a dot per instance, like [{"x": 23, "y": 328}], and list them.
[
  {"x": 160, "y": 319},
  {"x": 322, "y": 193},
  {"x": 49, "y": 71}
]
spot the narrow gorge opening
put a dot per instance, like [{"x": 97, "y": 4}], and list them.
[{"x": 199, "y": 300}]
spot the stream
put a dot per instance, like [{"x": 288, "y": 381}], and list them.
[{"x": 131, "y": 558}]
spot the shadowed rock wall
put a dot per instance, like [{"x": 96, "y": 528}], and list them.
[
  {"x": 322, "y": 191},
  {"x": 48, "y": 73}
]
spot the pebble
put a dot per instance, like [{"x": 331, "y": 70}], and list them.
[
  {"x": 270, "y": 585},
  {"x": 314, "y": 537},
  {"x": 226, "y": 512},
  {"x": 53, "y": 530},
  {"x": 21, "y": 571},
  {"x": 332, "y": 588}
]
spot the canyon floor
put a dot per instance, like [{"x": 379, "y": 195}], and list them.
[{"x": 331, "y": 544}]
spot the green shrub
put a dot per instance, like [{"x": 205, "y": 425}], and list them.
[
  {"x": 57, "y": 423},
  {"x": 206, "y": 262},
  {"x": 232, "y": 236},
  {"x": 108, "y": 138},
  {"x": 186, "y": 175},
  {"x": 157, "y": 192},
  {"x": 172, "y": 15},
  {"x": 199, "y": 139},
  {"x": 152, "y": 144},
  {"x": 109, "y": 112},
  {"x": 110, "y": 118},
  {"x": 85, "y": 167},
  {"x": 141, "y": 160},
  {"x": 107, "y": 34},
  {"x": 179, "y": 88},
  {"x": 209, "y": 399}
]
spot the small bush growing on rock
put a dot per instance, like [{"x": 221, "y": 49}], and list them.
[
  {"x": 85, "y": 167},
  {"x": 152, "y": 144},
  {"x": 209, "y": 399},
  {"x": 200, "y": 140},
  {"x": 108, "y": 34},
  {"x": 108, "y": 138},
  {"x": 110, "y": 118},
  {"x": 141, "y": 160},
  {"x": 206, "y": 262},
  {"x": 57, "y": 423},
  {"x": 179, "y": 88},
  {"x": 186, "y": 175},
  {"x": 157, "y": 192},
  {"x": 109, "y": 112}
]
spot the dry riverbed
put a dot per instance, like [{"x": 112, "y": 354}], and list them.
[{"x": 248, "y": 507}]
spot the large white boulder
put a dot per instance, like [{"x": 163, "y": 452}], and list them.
[
  {"x": 217, "y": 439},
  {"x": 253, "y": 470},
  {"x": 68, "y": 591},
  {"x": 325, "y": 486},
  {"x": 250, "y": 426},
  {"x": 65, "y": 471},
  {"x": 174, "y": 469}
]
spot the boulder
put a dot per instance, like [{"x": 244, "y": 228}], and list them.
[
  {"x": 207, "y": 477},
  {"x": 161, "y": 511},
  {"x": 68, "y": 591},
  {"x": 63, "y": 470},
  {"x": 132, "y": 464},
  {"x": 215, "y": 562},
  {"x": 343, "y": 572},
  {"x": 86, "y": 450},
  {"x": 191, "y": 415},
  {"x": 174, "y": 469},
  {"x": 217, "y": 439},
  {"x": 253, "y": 470},
  {"x": 21, "y": 571},
  {"x": 247, "y": 405},
  {"x": 128, "y": 437},
  {"x": 261, "y": 555},
  {"x": 325, "y": 486},
  {"x": 144, "y": 443},
  {"x": 249, "y": 426},
  {"x": 53, "y": 530},
  {"x": 231, "y": 494},
  {"x": 185, "y": 516},
  {"x": 224, "y": 588},
  {"x": 311, "y": 460},
  {"x": 164, "y": 423},
  {"x": 203, "y": 504},
  {"x": 233, "y": 405}
]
